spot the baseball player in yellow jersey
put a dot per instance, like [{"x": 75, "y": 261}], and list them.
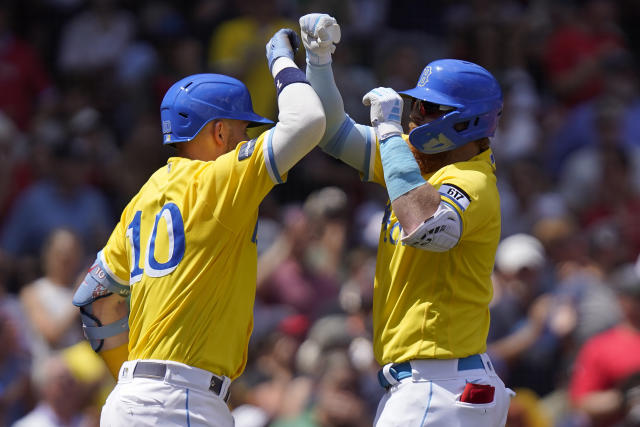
[
  {"x": 438, "y": 237},
  {"x": 181, "y": 263}
]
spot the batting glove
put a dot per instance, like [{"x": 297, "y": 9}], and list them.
[
  {"x": 285, "y": 42},
  {"x": 386, "y": 111},
  {"x": 320, "y": 33}
]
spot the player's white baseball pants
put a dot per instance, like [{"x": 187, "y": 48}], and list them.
[
  {"x": 165, "y": 393},
  {"x": 433, "y": 394}
]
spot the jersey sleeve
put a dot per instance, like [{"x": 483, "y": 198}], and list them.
[
  {"x": 114, "y": 257},
  {"x": 375, "y": 172},
  {"x": 473, "y": 197},
  {"x": 239, "y": 180}
]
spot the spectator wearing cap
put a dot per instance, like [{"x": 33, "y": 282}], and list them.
[
  {"x": 520, "y": 341},
  {"x": 608, "y": 358}
]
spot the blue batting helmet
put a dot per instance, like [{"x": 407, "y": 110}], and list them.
[
  {"x": 194, "y": 101},
  {"x": 475, "y": 96}
]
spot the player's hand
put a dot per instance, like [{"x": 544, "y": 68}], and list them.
[
  {"x": 386, "y": 111},
  {"x": 320, "y": 33},
  {"x": 285, "y": 42}
]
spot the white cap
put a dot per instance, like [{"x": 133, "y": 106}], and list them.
[{"x": 519, "y": 251}]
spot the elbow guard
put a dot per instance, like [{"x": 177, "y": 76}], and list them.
[
  {"x": 99, "y": 284},
  {"x": 439, "y": 233}
]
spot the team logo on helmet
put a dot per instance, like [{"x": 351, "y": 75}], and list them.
[
  {"x": 166, "y": 126},
  {"x": 424, "y": 78}
]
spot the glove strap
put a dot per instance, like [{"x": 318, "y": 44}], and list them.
[{"x": 288, "y": 76}]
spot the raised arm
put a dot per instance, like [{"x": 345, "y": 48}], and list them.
[
  {"x": 344, "y": 139},
  {"x": 413, "y": 199},
  {"x": 301, "y": 121}
]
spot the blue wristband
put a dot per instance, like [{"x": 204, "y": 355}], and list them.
[
  {"x": 289, "y": 75},
  {"x": 401, "y": 172}
]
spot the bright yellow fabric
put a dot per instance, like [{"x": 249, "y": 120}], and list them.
[
  {"x": 436, "y": 305},
  {"x": 114, "y": 358},
  {"x": 201, "y": 313}
]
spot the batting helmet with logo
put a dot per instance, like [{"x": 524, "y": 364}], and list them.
[
  {"x": 194, "y": 101},
  {"x": 473, "y": 93}
]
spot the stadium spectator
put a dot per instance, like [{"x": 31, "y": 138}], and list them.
[
  {"x": 584, "y": 38},
  {"x": 521, "y": 343},
  {"x": 301, "y": 268},
  {"x": 611, "y": 357},
  {"x": 24, "y": 80},
  {"x": 63, "y": 397},
  {"x": 54, "y": 320},
  {"x": 64, "y": 199},
  {"x": 15, "y": 169},
  {"x": 570, "y": 126},
  {"x": 93, "y": 40},
  {"x": 16, "y": 393},
  {"x": 337, "y": 398},
  {"x": 237, "y": 45}
]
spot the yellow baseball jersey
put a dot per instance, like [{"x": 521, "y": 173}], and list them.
[
  {"x": 186, "y": 245},
  {"x": 436, "y": 304}
]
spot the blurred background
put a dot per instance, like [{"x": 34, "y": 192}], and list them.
[{"x": 80, "y": 87}]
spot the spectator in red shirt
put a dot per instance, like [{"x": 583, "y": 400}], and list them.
[
  {"x": 609, "y": 358},
  {"x": 577, "y": 49}
]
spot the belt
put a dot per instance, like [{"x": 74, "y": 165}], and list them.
[
  {"x": 400, "y": 371},
  {"x": 158, "y": 370}
]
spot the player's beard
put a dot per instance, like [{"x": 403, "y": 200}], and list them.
[{"x": 429, "y": 163}]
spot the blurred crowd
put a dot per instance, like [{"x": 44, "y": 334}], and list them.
[{"x": 80, "y": 86}]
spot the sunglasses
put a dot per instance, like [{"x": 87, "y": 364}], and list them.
[{"x": 427, "y": 108}]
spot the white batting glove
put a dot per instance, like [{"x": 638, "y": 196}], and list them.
[
  {"x": 386, "y": 111},
  {"x": 320, "y": 33}
]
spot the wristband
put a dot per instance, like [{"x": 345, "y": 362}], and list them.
[
  {"x": 288, "y": 76},
  {"x": 401, "y": 172}
]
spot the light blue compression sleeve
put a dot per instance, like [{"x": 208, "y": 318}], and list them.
[
  {"x": 321, "y": 78},
  {"x": 352, "y": 143},
  {"x": 401, "y": 172}
]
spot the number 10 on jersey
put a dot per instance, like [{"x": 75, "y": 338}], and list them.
[{"x": 172, "y": 216}]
